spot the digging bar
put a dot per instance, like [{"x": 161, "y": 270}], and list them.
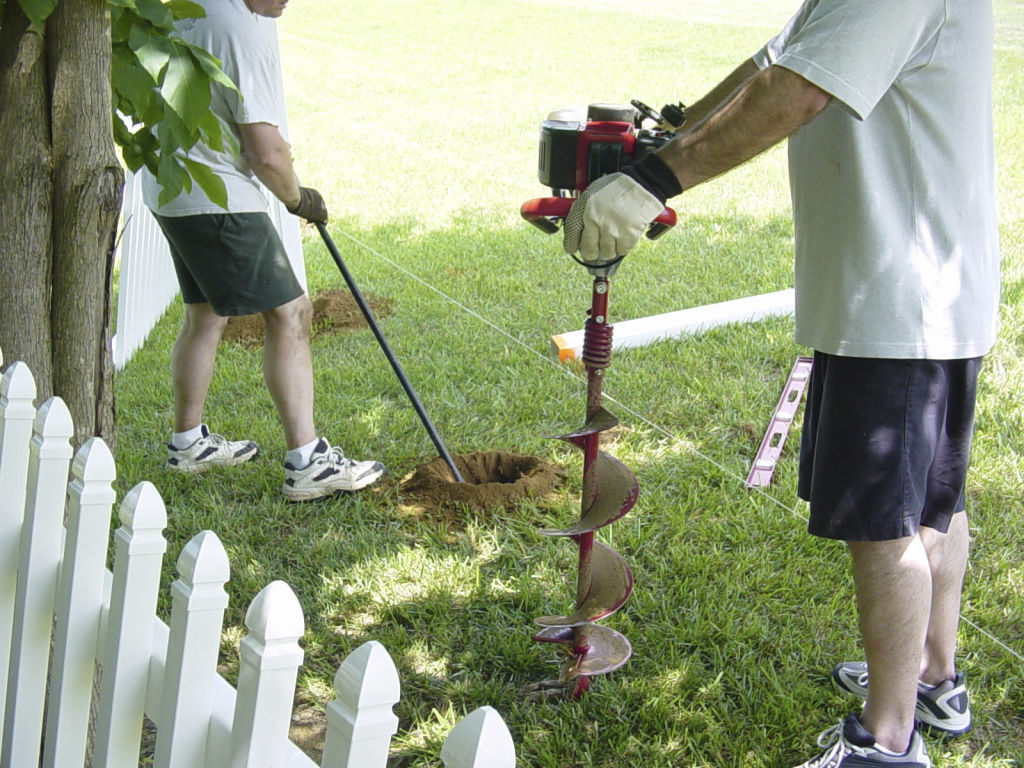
[{"x": 365, "y": 309}]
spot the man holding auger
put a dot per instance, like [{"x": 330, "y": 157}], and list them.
[{"x": 887, "y": 109}]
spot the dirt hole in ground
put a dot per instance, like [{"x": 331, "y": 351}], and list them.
[
  {"x": 490, "y": 479},
  {"x": 334, "y": 311}
]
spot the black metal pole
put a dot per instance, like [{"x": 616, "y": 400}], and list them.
[{"x": 442, "y": 451}]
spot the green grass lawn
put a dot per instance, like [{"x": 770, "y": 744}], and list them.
[{"x": 418, "y": 120}]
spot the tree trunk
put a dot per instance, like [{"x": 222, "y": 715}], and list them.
[
  {"x": 25, "y": 199},
  {"x": 87, "y": 187},
  {"x": 60, "y": 197}
]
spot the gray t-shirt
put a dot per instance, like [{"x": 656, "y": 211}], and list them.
[
  {"x": 893, "y": 182},
  {"x": 245, "y": 44}
]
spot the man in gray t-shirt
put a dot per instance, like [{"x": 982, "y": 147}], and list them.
[
  {"x": 232, "y": 262},
  {"x": 887, "y": 108}
]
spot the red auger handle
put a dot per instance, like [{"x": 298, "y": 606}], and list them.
[{"x": 545, "y": 213}]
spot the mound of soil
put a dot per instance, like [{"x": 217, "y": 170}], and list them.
[
  {"x": 334, "y": 311},
  {"x": 490, "y": 479}
]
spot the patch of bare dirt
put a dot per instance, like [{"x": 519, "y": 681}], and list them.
[
  {"x": 334, "y": 311},
  {"x": 491, "y": 479}
]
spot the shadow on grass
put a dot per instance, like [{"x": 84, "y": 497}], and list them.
[{"x": 737, "y": 614}]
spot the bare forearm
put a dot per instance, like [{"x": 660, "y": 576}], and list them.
[
  {"x": 767, "y": 109},
  {"x": 279, "y": 177},
  {"x": 702, "y": 109},
  {"x": 271, "y": 160}
]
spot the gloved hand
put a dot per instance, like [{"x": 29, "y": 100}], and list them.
[
  {"x": 311, "y": 206},
  {"x": 607, "y": 219}
]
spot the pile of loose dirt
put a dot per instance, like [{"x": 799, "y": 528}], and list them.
[
  {"x": 334, "y": 311},
  {"x": 491, "y": 479}
]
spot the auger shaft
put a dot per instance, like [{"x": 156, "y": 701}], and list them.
[
  {"x": 597, "y": 344},
  {"x": 609, "y": 490}
]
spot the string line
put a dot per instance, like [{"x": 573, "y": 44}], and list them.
[{"x": 638, "y": 416}]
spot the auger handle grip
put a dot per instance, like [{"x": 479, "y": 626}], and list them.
[{"x": 546, "y": 214}]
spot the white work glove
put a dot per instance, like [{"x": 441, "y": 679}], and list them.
[{"x": 608, "y": 218}]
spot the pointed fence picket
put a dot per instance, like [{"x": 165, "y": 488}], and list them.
[{"x": 63, "y": 615}]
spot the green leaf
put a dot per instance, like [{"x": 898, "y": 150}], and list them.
[
  {"x": 211, "y": 184},
  {"x": 211, "y": 66},
  {"x": 186, "y": 9},
  {"x": 132, "y": 82},
  {"x": 153, "y": 50},
  {"x": 174, "y": 133},
  {"x": 37, "y": 11},
  {"x": 172, "y": 177},
  {"x": 156, "y": 13},
  {"x": 122, "y": 20},
  {"x": 211, "y": 132},
  {"x": 185, "y": 89}
]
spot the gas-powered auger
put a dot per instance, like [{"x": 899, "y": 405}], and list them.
[{"x": 573, "y": 153}]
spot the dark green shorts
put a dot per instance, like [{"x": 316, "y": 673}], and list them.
[{"x": 233, "y": 261}]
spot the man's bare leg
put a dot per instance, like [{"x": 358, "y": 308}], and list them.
[
  {"x": 894, "y": 589},
  {"x": 192, "y": 359},
  {"x": 947, "y": 556},
  {"x": 288, "y": 369}
]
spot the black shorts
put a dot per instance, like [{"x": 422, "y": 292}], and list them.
[
  {"x": 885, "y": 445},
  {"x": 236, "y": 262}
]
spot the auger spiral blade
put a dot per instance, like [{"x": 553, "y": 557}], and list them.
[
  {"x": 604, "y": 650},
  {"x": 617, "y": 492},
  {"x": 603, "y": 579},
  {"x": 599, "y": 421},
  {"x": 609, "y": 586}
]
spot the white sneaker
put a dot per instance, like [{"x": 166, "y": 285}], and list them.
[
  {"x": 210, "y": 450},
  {"x": 943, "y": 708},
  {"x": 849, "y": 745},
  {"x": 328, "y": 473}
]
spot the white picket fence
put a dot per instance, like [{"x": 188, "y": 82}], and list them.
[{"x": 63, "y": 615}]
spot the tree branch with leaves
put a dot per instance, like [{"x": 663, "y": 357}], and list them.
[{"x": 61, "y": 182}]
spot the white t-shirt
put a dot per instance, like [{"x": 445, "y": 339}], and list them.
[
  {"x": 892, "y": 183},
  {"x": 245, "y": 45}
]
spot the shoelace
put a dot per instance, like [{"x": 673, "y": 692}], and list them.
[
  {"x": 831, "y": 740},
  {"x": 335, "y": 456}
]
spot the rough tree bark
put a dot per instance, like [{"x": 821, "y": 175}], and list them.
[
  {"x": 25, "y": 198},
  {"x": 87, "y": 187},
  {"x": 60, "y": 194}
]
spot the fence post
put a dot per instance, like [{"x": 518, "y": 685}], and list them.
[
  {"x": 17, "y": 393},
  {"x": 360, "y": 722},
  {"x": 39, "y": 559},
  {"x": 193, "y": 646},
  {"x": 479, "y": 740},
  {"x": 139, "y": 546},
  {"x": 270, "y": 659},
  {"x": 79, "y": 605}
]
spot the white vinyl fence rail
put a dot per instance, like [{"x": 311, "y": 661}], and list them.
[{"x": 63, "y": 616}]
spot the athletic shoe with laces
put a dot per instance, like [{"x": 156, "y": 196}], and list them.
[
  {"x": 210, "y": 450},
  {"x": 943, "y": 709},
  {"x": 328, "y": 473},
  {"x": 850, "y": 745}
]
